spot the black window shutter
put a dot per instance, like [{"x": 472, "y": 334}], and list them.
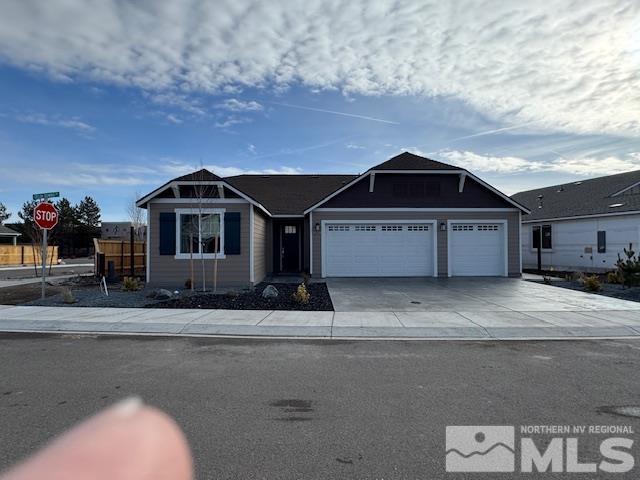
[
  {"x": 232, "y": 233},
  {"x": 167, "y": 233}
]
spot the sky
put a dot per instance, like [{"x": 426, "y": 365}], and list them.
[{"x": 112, "y": 98}]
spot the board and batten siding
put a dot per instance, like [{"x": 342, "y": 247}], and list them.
[
  {"x": 259, "y": 246},
  {"x": 513, "y": 232},
  {"x": 167, "y": 271}
]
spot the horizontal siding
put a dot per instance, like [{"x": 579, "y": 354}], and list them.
[
  {"x": 259, "y": 246},
  {"x": 513, "y": 232},
  {"x": 571, "y": 240},
  {"x": 167, "y": 271}
]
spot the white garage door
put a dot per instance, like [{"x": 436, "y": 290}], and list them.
[
  {"x": 477, "y": 249},
  {"x": 379, "y": 250}
]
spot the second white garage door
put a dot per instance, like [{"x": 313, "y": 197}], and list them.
[
  {"x": 378, "y": 249},
  {"x": 476, "y": 249}
]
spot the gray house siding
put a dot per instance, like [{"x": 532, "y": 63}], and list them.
[
  {"x": 167, "y": 271},
  {"x": 259, "y": 246},
  {"x": 513, "y": 232},
  {"x": 441, "y": 191}
]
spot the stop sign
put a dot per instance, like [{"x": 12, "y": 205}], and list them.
[{"x": 45, "y": 215}]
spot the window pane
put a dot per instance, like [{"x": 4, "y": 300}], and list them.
[
  {"x": 189, "y": 232},
  {"x": 536, "y": 237},
  {"x": 210, "y": 225},
  {"x": 546, "y": 236}
]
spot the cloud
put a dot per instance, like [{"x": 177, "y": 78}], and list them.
[
  {"x": 354, "y": 146},
  {"x": 230, "y": 121},
  {"x": 568, "y": 66},
  {"x": 252, "y": 149},
  {"x": 585, "y": 166},
  {"x": 234, "y": 105},
  {"x": 73, "y": 123}
]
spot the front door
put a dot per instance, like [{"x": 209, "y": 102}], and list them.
[{"x": 290, "y": 250}]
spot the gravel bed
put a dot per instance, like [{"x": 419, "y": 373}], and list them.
[
  {"x": 253, "y": 300},
  {"x": 608, "y": 289},
  {"x": 93, "y": 297}
]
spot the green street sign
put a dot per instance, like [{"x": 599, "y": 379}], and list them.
[{"x": 44, "y": 196}]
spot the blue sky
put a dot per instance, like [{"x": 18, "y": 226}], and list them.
[{"x": 112, "y": 98}]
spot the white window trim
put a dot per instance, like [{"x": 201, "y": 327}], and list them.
[
  {"x": 544, "y": 250},
  {"x": 198, "y": 211},
  {"x": 323, "y": 237},
  {"x": 505, "y": 239}
]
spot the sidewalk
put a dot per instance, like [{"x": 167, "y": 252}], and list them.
[
  {"x": 53, "y": 279},
  {"x": 265, "y": 323}
]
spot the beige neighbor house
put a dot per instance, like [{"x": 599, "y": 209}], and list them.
[{"x": 407, "y": 217}]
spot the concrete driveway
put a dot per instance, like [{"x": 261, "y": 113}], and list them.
[{"x": 462, "y": 295}]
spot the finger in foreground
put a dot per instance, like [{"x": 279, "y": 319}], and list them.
[{"x": 129, "y": 441}]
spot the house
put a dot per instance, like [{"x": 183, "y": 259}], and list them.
[
  {"x": 8, "y": 235},
  {"x": 122, "y": 231},
  {"x": 584, "y": 224},
  {"x": 408, "y": 216}
]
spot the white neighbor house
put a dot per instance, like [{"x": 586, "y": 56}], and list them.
[{"x": 585, "y": 224}]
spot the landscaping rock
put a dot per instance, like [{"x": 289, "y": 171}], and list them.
[
  {"x": 270, "y": 292},
  {"x": 160, "y": 294}
]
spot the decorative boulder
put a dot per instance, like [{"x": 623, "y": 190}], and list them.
[
  {"x": 160, "y": 294},
  {"x": 270, "y": 292}
]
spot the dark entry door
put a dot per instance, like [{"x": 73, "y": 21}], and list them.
[{"x": 290, "y": 252}]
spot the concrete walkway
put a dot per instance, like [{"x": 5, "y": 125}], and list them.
[{"x": 486, "y": 324}]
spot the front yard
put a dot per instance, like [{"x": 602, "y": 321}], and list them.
[{"x": 88, "y": 294}]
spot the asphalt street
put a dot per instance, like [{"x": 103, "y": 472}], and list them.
[
  {"x": 22, "y": 273},
  {"x": 316, "y": 409}
]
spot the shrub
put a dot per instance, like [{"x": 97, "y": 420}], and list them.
[
  {"x": 131, "y": 284},
  {"x": 67, "y": 296},
  {"x": 546, "y": 279},
  {"x": 628, "y": 269},
  {"x": 306, "y": 278},
  {"x": 591, "y": 283},
  {"x": 301, "y": 295},
  {"x": 613, "y": 277}
]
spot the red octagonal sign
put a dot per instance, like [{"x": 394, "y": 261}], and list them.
[{"x": 45, "y": 215}]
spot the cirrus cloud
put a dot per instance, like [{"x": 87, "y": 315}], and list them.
[{"x": 568, "y": 66}]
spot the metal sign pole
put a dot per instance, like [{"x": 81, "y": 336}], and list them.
[{"x": 44, "y": 260}]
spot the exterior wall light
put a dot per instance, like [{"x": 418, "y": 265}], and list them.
[
  {"x": 443, "y": 227},
  {"x": 316, "y": 227}
]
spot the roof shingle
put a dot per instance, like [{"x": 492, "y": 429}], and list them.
[
  {"x": 586, "y": 197},
  {"x": 288, "y": 194},
  {"x": 410, "y": 161}
]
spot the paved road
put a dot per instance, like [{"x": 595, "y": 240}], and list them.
[
  {"x": 22, "y": 272},
  {"x": 314, "y": 409}
]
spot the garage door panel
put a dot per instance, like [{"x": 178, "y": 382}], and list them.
[
  {"x": 477, "y": 249},
  {"x": 379, "y": 249}
]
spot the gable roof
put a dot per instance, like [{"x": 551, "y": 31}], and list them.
[
  {"x": 202, "y": 175},
  {"x": 582, "y": 198},
  {"x": 410, "y": 161},
  {"x": 299, "y": 194},
  {"x": 288, "y": 194},
  {"x": 6, "y": 231}
]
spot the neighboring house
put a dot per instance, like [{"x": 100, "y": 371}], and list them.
[
  {"x": 121, "y": 231},
  {"x": 409, "y": 216},
  {"x": 8, "y": 235},
  {"x": 585, "y": 224}
]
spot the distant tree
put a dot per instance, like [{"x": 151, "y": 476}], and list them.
[
  {"x": 88, "y": 213},
  {"x": 65, "y": 231},
  {"x": 4, "y": 214},
  {"x": 137, "y": 216}
]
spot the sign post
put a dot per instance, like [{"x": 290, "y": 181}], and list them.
[{"x": 45, "y": 215}]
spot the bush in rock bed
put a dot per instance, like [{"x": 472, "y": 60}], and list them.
[
  {"x": 628, "y": 269},
  {"x": 131, "y": 284},
  {"x": 301, "y": 295},
  {"x": 591, "y": 283}
]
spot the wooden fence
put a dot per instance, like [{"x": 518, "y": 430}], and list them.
[
  {"x": 26, "y": 255},
  {"x": 119, "y": 252}
]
